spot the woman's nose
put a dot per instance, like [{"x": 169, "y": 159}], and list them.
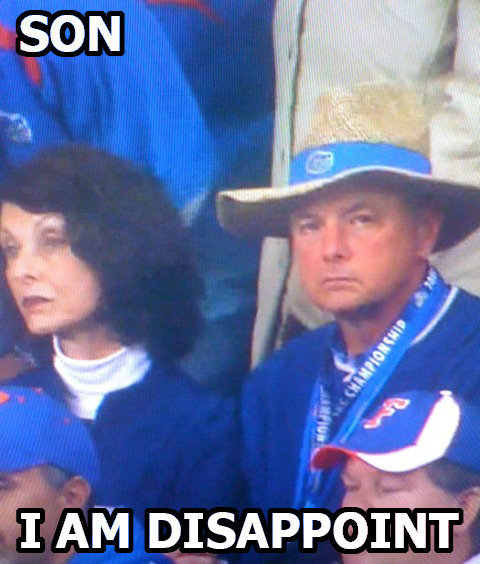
[{"x": 24, "y": 265}]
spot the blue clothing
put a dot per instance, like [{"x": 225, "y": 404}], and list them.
[
  {"x": 139, "y": 105},
  {"x": 110, "y": 556},
  {"x": 227, "y": 57},
  {"x": 278, "y": 394},
  {"x": 165, "y": 442}
]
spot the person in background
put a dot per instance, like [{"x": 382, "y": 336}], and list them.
[
  {"x": 99, "y": 264},
  {"x": 49, "y": 462},
  {"x": 226, "y": 52},
  {"x": 362, "y": 215},
  {"x": 418, "y": 450}
]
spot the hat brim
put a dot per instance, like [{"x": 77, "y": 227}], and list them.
[
  {"x": 403, "y": 460},
  {"x": 266, "y": 212}
]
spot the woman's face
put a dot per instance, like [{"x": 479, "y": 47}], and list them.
[{"x": 55, "y": 291}]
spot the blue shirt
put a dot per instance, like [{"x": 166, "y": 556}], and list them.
[{"x": 139, "y": 105}]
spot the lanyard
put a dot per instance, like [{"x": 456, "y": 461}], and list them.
[{"x": 379, "y": 363}]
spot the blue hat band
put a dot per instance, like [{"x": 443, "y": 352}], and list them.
[{"x": 329, "y": 160}]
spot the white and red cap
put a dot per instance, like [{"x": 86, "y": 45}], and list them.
[{"x": 409, "y": 431}]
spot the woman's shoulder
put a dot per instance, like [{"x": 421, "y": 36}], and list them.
[{"x": 167, "y": 388}]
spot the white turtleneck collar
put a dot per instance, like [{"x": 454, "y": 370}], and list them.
[{"x": 89, "y": 381}]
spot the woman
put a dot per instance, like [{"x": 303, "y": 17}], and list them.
[{"x": 96, "y": 258}]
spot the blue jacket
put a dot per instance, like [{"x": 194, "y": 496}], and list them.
[
  {"x": 139, "y": 105},
  {"x": 277, "y": 396},
  {"x": 165, "y": 442}
]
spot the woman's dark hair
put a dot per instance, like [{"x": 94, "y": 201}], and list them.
[{"x": 121, "y": 223}]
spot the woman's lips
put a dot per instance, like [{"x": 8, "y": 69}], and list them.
[{"x": 34, "y": 302}]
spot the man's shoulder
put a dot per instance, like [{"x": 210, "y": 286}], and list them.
[
  {"x": 461, "y": 318},
  {"x": 298, "y": 360},
  {"x": 466, "y": 304},
  {"x": 301, "y": 348}
]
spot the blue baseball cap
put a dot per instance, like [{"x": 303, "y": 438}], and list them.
[
  {"x": 409, "y": 431},
  {"x": 36, "y": 430}
]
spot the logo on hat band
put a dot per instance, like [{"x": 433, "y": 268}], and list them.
[
  {"x": 319, "y": 162},
  {"x": 329, "y": 160}
]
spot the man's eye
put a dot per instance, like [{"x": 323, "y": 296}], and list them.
[
  {"x": 362, "y": 219},
  {"x": 307, "y": 226},
  {"x": 388, "y": 488}
]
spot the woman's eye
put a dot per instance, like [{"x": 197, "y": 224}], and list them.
[
  {"x": 9, "y": 250},
  {"x": 54, "y": 242}
]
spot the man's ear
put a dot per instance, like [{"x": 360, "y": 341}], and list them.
[
  {"x": 76, "y": 492},
  {"x": 429, "y": 224},
  {"x": 469, "y": 501}
]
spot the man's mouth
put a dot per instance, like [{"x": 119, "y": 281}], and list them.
[{"x": 338, "y": 281}]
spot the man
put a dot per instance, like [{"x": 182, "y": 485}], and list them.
[
  {"x": 343, "y": 43},
  {"x": 47, "y": 461},
  {"x": 419, "y": 450},
  {"x": 362, "y": 216}
]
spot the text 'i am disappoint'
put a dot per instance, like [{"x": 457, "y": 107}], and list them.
[
  {"x": 68, "y": 33},
  {"x": 224, "y": 530}
]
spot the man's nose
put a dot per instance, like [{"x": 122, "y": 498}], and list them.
[{"x": 334, "y": 241}]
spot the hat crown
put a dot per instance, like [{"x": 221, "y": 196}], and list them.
[{"x": 372, "y": 113}]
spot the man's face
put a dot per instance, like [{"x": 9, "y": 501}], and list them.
[
  {"x": 27, "y": 489},
  {"x": 357, "y": 248},
  {"x": 366, "y": 487}
]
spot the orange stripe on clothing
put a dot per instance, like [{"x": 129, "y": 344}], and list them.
[{"x": 31, "y": 65}]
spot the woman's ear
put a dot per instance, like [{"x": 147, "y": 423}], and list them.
[{"x": 469, "y": 502}]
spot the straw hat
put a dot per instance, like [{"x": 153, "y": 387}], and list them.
[{"x": 374, "y": 134}]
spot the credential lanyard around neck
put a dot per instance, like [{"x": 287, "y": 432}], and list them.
[{"x": 370, "y": 377}]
